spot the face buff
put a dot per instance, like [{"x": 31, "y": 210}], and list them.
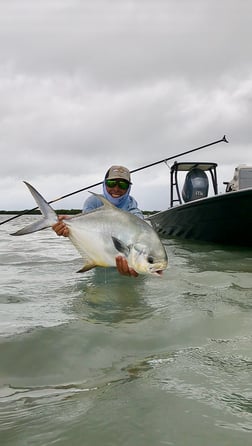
[{"x": 118, "y": 202}]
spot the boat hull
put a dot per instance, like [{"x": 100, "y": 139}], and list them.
[{"x": 225, "y": 219}]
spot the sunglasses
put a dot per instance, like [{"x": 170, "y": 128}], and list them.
[{"x": 123, "y": 184}]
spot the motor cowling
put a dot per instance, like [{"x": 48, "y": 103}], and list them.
[{"x": 196, "y": 185}]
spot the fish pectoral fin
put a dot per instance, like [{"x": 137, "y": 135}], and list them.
[
  {"x": 87, "y": 267},
  {"x": 121, "y": 246}
]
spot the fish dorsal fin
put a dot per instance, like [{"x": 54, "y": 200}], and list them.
[{"x": 104, "y": 201}]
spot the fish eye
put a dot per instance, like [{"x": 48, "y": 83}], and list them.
[{"x": 150, "y": 259}]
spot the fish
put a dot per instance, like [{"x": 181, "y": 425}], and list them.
[{"x": 103, "y": 233}]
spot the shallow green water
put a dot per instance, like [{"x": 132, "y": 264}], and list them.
[{"x": 103, "y": 359}]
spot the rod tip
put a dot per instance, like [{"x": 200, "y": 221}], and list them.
[{"x": 224, "y": 139}]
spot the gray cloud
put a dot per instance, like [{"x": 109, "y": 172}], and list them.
[{"x": 84, "y": 85}]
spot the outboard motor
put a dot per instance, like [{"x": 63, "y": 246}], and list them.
[{"x": 196, "y": 185}]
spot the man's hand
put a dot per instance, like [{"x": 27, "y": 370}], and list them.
[
  {"x": 60, "y": 228},
  {"x": 123, "y": 267}
]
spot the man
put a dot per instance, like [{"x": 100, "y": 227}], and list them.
[{"x": 116, "y": 189}]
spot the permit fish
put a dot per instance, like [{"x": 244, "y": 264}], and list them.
[{"x": 102, "y": 234}]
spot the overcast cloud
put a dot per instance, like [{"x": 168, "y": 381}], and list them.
[{"x": 85, "y": 84}]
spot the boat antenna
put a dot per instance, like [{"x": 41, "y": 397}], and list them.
[{"x": 28, "y": 211}]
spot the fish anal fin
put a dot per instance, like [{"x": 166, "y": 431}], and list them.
[
  {"x": 121, "y": 246},
  {"x": 87, "y": 267}
]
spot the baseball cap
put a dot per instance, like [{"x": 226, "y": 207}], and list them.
[{"x": 118, "y": 172}]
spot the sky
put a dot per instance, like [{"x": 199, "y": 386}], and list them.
[{"x": 85, "y": 84}]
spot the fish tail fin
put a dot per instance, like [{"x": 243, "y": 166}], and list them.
[{"x": 49, "y": 214}]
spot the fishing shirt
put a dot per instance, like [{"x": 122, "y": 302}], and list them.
[{"x": 129, "y": 205}]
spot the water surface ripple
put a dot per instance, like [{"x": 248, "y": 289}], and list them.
[{"x": 103, "y": 359}]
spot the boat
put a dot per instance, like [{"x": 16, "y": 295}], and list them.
[{"x": 223, "y": 218}]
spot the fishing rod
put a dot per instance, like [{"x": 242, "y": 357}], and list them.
[{"x": 224, "y": 139}]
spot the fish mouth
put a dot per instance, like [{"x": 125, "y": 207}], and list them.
[
  {"x": 158, "y": 273},
  {"x": 158, "y": 269}
]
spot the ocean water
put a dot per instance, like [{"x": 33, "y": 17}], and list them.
[{"x": 101, "y": 359}]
